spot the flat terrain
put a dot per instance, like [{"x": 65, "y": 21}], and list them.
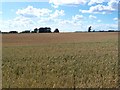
[
  {"x": 60, "y": 60},
  {"x": 48, "y": 38}
]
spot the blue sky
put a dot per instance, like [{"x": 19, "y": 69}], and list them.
[{"x": 66, "y": 15}]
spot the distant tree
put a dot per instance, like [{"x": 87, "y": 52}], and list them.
[
  {"x": 26, "y": 31},
  {"x": 89, "y": 29},
  {"x": 32, "y": 32},
  {"x": 5, "y": 32},
  {"x": 13, "y": 32},
  {"x": 41, "y": 30},
  {"x": 56, "y": 30},
  {"x": 44, "y": 30},
  {"x": 110, "y": 30},
  {"x": 35, "y": 30},
  {"x": 47, "y": 29}
]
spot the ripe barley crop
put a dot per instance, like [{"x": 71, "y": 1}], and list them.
[{"x": 87, "y": 60}]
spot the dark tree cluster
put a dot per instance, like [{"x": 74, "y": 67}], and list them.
[
  {"x": 56, "y": 30},
  {"x": 13, "y": 32},
  {"x": 42, "y": 30},
  {"x": 106, "y": 31},
  {"x": 89, "y": 29},
  {"x": 36, "y": 30},
  {"x": 26, "y": 31},
  {"x": 5, "y": 32}
]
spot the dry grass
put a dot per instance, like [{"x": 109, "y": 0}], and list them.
[
  {"x": 60, "y": 60},
  {"x": 48, "y": 38}
]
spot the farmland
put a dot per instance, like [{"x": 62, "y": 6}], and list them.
[{"x": 60, "y": 60}]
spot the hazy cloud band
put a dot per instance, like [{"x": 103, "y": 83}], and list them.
[{"x": 24, "y": 0}]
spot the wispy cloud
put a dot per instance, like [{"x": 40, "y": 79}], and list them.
[
  {"x": 1, "y": 12},
  {"x": 115, "y": 19},
  {"x": 30, "y": 11},
  {"x": 92, "y": 17},
  {"x": 64, "y": 17},
  {"x": 91, "y": 2},
  {"x": 24, "y": 0},
  {"x": 57, "y": 13},
  {"x": 111, "y": 6},
  {"x": 99, "y": 9},
  {"x": 99, "y": 20},
  {"x": 56, "y": 3},
  {"x": 77, "y": 17}
]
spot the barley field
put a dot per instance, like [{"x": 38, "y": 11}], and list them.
[{"x": 60, "y": 60}]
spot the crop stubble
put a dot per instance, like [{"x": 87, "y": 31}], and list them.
[{"x": 60, "y": 60}]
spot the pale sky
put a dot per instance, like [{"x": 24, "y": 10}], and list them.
[{"x": 66, "y": 15}]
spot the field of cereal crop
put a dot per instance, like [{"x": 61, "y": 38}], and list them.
[{"x": 60, "y": 60}]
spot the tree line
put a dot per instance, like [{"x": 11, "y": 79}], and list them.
[{"x": 36, "y": 30}]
